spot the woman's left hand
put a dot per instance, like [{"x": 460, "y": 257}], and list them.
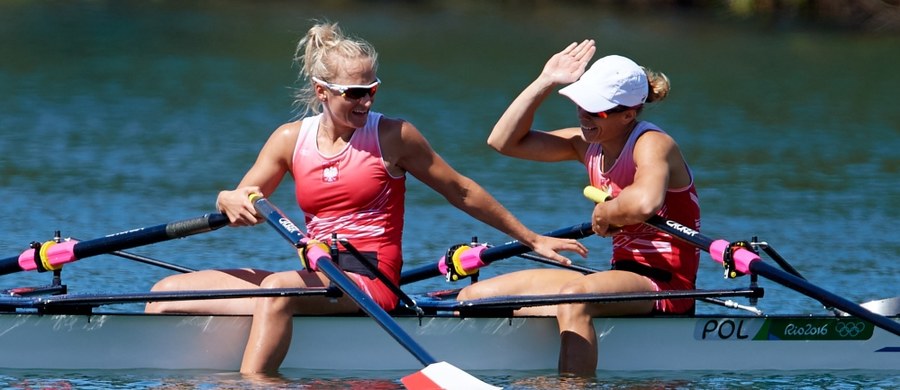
[{"x": 550, "y": 247}]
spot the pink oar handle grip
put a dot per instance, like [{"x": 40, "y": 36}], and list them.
[
  {"x": 54, "y": 256},
  {"x": 742, "y": 257},
  {"x": 469, "y": 260},
  {"x": 315, "y": 251}
]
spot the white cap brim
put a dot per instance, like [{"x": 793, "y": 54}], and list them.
[{"x": 586, "y": 97}]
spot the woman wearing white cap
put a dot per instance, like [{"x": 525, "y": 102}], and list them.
[{"x": 637, "y": 163}]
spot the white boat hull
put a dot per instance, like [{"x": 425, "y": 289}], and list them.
[{"x": 129, "y": 341}]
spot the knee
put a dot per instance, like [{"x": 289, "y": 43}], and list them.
[
  {"x": 466, "y": 293},
  {"x": 576, "y": 287},
  {"x": 278, "y": 280},
  {"x": 573, "y": 311},
  {"x": 173, "y": 283},
  {"x": 166, "y": 284},
  {"x": 476, "y": 291},
  {"x": 169, "y": 283},
  {"x": 274, "y": 304}
]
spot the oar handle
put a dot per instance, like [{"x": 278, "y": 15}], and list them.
[{"x": 51, "y": 255}]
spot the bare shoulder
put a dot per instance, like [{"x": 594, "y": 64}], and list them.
[
  {"x": 280, "y": 145},
  {"x": 658, "y": 149},
  {"x": 397, "y": 130},
  {"x": 400, "y": 137},
  {"x": 403, "y": 147},
  {"x": 288, "y": 130},
  {"x": 655, "y": 140}
]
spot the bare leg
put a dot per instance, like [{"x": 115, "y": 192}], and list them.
[
  {"x": 578, "y": 339},
  {"x": 272, "y": 329},
  {"x": 526, "y": 282},
  {"x": 231, "y": 279}
]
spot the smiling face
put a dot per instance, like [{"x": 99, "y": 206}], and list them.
[
  {"x": 344, "y": 110},
  {"x": 603, "y": 126}
]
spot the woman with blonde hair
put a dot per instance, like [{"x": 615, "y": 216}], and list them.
[{"x": 349, "y": 166}]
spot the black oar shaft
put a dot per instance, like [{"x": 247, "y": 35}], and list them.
[
  {"x": 678, "y": 230},
  {"x": 829, "y": 299},
  {"x": 131, "y": 238},
  {"x": 9, "y": 265},
  {"x": 150, "y": 235},
  {"x": 784, "y": 278},
  {"x": 756, "y": 265},
  {"x": 373, "y": 310}
]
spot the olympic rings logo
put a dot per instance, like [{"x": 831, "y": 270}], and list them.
[{"x": 849, "y": 329}]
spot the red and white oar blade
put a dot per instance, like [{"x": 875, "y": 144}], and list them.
[{"x": 443, "y": 375}]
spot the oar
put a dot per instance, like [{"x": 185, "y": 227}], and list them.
[
  {"x": 746, "y": 262},
  {"x": 51, "y": 255},
  {"x": 435, "y": 374},
  {"x": 465, "y": 260}
]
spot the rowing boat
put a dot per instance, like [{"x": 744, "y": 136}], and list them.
[
  {"x": 481, "y": 340},
  {"x": 475, "y": 335}
]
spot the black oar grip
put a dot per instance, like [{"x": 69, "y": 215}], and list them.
[{"x": 189, "y": 227}]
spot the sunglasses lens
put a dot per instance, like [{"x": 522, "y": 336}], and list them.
[{"x": 359, "y": 93}]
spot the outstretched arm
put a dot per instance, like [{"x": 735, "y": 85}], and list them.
[{"x": 417, "y": 157}]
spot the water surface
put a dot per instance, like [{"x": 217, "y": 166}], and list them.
[{"x": 117, "y": 115}]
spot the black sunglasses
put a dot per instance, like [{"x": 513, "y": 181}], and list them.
[
  {"x": 605, "y": 114},
  {"x": 351, "y": 91}
]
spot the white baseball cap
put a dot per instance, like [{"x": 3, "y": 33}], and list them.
[{"x": 611, "y": 81}]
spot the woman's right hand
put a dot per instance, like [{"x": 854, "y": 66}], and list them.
[
  {"x": 568, "y": 65},
  {"x": 237, "y": 206}
]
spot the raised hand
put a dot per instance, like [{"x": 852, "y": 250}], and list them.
[{"x": 568, "y": 65}]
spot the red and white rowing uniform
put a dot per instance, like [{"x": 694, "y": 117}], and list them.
[
  {"x": 643, "y": 249},
  {"x": 351, "y": 193}
]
